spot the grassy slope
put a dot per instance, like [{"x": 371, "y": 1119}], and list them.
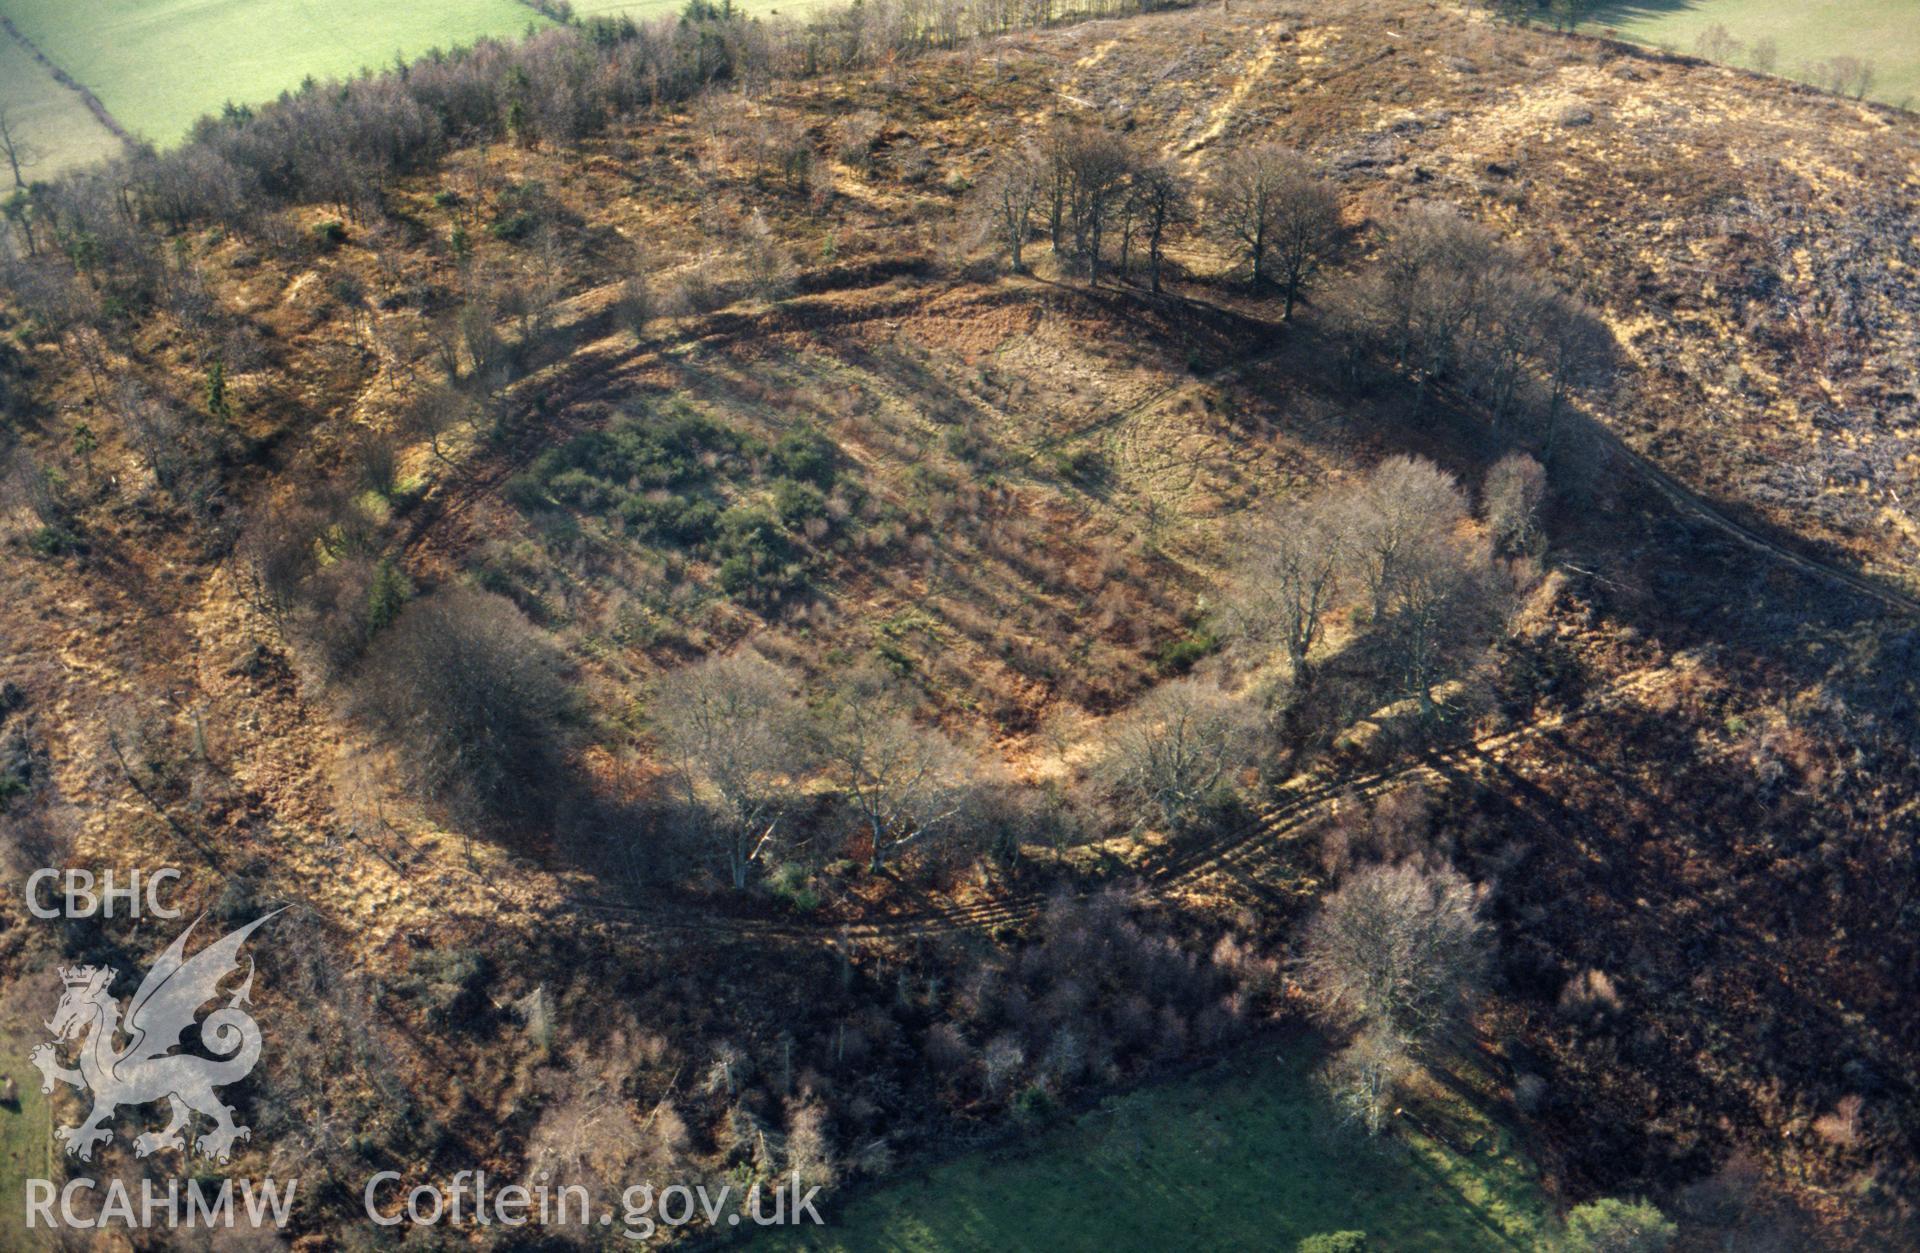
[
  {"x": 48, "y": 116},
  {"x": 1226, "y": 1159},
  {"x": 1886, "y": 32},
  {"x": 159, "y": 64},
  {"x": 25, "y": 1139}
]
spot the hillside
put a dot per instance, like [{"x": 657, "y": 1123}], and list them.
[{"x": 743, "y": 374}]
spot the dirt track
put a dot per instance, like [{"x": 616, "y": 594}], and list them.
[{"x": 1233, "y": 852}]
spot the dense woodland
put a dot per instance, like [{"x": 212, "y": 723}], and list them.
[{"x": 615, "y": 650}]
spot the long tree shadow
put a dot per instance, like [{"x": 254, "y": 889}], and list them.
[{"x": 1616, "y": 12}]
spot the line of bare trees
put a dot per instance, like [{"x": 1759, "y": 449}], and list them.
[
  {"x": 1279, "y": 214},
  {"x": 1445, "y": 302},
  {"x": 1398, "y": 953},
  {"x": 1450, "y": 305},
  {"x": 343, "y": 143},
  {"x": 1097, "y": 194},
  {"x": 478, "y": 699},
  {"x": 1843, "y": 75},
  {"x": 1104, "y": 198}
]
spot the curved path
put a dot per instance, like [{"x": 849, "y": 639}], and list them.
[
  {"x": 1686, "y": 500},
  {"x": 1231, "y": 852}
]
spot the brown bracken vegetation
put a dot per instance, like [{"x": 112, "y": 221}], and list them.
[{"x": 777, "y": 595}]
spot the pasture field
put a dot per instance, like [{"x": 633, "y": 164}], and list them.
[
  {"x": 159, "y": 64},
  {"x": 26, "y": 1137},
  {"x": 1885, "y": 32},
  {"x": 48, "y": 117},
  {"x": 1233, "y": 1157}
]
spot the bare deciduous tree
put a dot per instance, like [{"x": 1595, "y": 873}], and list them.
[
  {"x": 1089, "y": 169},
  {"x": 906, "y": 781},
  {"x": 473, "y": 697},
  {"x": 1717, "y": 43},
  {"x": 1178, "y": 747},
  {"x": 19, "y": 153},
  {"x": 1399, "y": 949},
  {"x": 1506, "y": 334},
  {"x": 1844, "y": 75},
  {"x": 1158, "y": 201},
  {"x": 730, "y": 731},
  {"x": 1510, "y": 501},
  {"x": 434, "y": 414},
  {"x": 275, "y": 554},
  {"x": 1447, "y": 606},
  {"x": 1360, "y": 1078},
  {"x": 809, "y": 1148},
  {"x": 1433, "y": 264},
  {"x": 1282, "y": 220},
  {"x": 636, "y": 305},
  {"x": 769, "y": 268},
  {"x": 855, "y": 136},
  {"x": 1008, "y": 199},
  {"x": 182, "y": 450},
  {"x": 1578, "y": 351},
  {"x": 1403, "y": 503},
  {"x": 1305, "y": 229},
  {"x": 1286, "y": 583}
]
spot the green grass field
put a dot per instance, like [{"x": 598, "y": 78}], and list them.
[
  {"x": 159, "y": 64},
  {"x": 26, "y": 1142},
  {"x": 48, "y": 117},
  {"x": 1885, "y": 32},
  {"x": 1225, "y": 1159}
]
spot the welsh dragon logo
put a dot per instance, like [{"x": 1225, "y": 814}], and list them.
[{"x": 147, "y": 1069}]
